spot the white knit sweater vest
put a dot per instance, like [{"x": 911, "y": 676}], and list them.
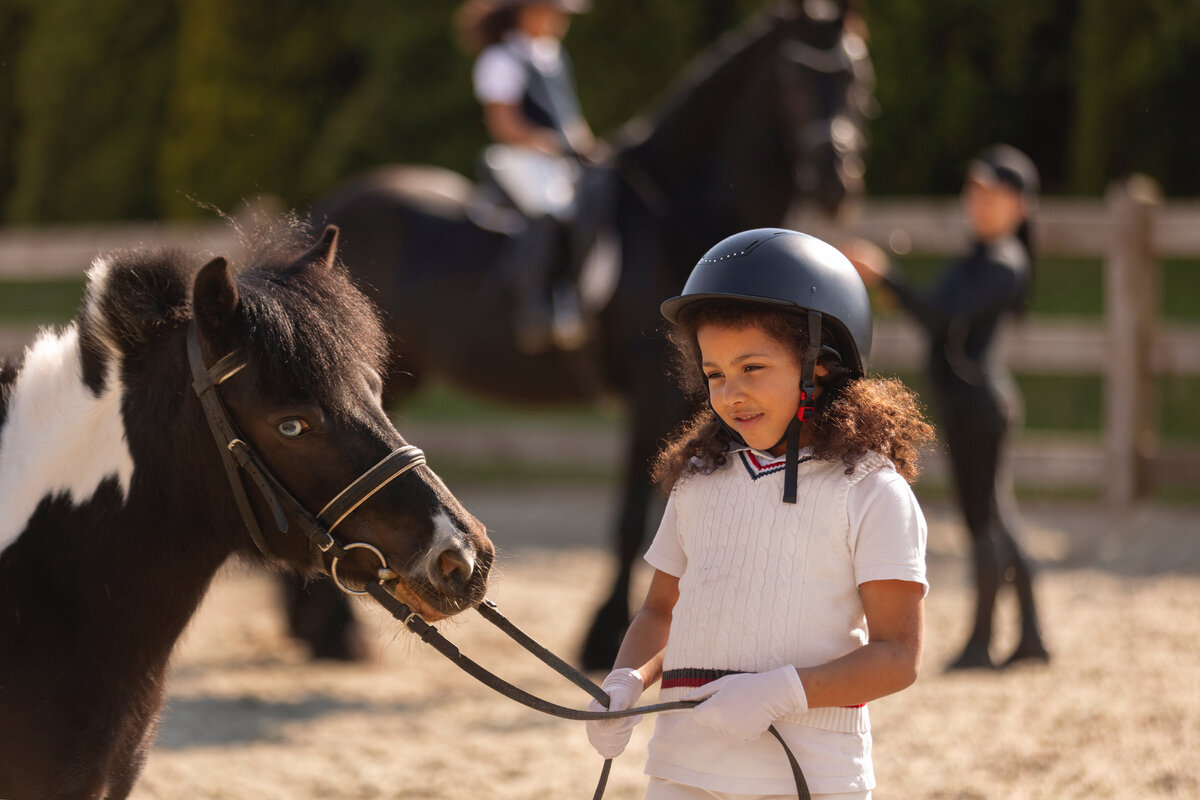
[{"x": 768, "y": 583}]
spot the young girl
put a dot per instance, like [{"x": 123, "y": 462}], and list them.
[
  {"x": 789, "y": 565},
  {"x": 976, "y": 400}
]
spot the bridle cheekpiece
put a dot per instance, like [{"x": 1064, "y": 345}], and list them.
[{"x": 238, "y": 457}]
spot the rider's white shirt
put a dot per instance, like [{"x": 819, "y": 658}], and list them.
[{"x": 499, "y": 76}]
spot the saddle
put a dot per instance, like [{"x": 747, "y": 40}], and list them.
[{"x": 560, "y": 261}]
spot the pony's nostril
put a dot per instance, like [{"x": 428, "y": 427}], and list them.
[{"x": 455, "y": 567}]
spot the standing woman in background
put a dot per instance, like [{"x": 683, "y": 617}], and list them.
[{"x": 975, "y": 397}]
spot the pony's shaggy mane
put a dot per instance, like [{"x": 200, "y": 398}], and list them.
[
  {"x": 305, "y": 326},
  {"x": 301, "y": 327}
]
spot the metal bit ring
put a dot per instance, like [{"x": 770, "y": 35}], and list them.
[{"x": 333, "y": 569}]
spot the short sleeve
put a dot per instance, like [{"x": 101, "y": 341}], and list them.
[
  {"x": 666, "y": 551},
  {"x": 499, "y": 77},
  {"x": 887, "y": 529}
]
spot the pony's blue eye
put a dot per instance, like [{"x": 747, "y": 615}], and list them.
[{"x": 293, "y": 427}]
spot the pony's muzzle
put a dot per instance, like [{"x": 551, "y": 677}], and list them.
[{"x": 457, "y": 561}]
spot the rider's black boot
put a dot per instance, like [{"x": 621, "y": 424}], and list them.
[{"x": 529, "y": 256}]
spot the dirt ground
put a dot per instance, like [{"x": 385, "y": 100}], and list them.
[{"x": 1116, "y": 714}]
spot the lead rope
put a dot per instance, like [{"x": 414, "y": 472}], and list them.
[{"x": 431, "y": 636}]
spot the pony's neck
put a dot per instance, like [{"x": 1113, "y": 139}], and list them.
[{"x": 86, "y": 532}]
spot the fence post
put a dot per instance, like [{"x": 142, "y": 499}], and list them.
[{"x": 1131, "y": 310}]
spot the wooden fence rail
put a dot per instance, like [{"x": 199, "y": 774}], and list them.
[{"x": 1131, "y": 228}]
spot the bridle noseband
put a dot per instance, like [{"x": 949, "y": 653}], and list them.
[{"x": 237, "y": 457}]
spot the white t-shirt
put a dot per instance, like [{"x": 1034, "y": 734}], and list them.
[
  {"x": 499, "y": 75},
  {"x": 764, "y": 584}
]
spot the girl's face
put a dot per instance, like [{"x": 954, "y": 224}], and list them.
[
  {"x": 993, "y": 209},
  {"x": 753, "y": 382},
  {"x": 539, "y": 19}
]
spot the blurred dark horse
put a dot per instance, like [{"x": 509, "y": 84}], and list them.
[{"x": 770, "y": 115}]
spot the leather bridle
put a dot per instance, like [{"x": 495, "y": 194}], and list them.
[{"x": 237, "y": 456}]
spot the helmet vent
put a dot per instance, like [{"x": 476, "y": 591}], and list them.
[
  {"x": 746, "y": 249},
  {"x": 735, "y": 254}
]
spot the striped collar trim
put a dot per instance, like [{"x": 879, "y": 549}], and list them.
[{"x": 759, "y": 464}]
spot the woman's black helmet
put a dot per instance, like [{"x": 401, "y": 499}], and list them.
[
  {"x": 1003, "y": 163},
  {"x": 783, "y": 268}
]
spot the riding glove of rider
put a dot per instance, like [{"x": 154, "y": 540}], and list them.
[
  {"x": 609, "y": 736},
  {"x": 745, "y": 705}
]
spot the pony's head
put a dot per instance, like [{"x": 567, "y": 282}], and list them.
[
  {"x": 306, "y": 400},
  {"x": 309, "y": 402}
]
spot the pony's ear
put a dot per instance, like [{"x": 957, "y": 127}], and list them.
[
  {"x": 323, "y": 254},
  {"x": 214, "y": 302}
]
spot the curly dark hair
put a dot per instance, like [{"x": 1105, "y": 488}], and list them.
[{"x": 853, "y": 415}]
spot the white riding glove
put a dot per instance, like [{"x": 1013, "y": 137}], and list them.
[
  {"x": 745, "y": 705},
  {"x": 609, "y": 736}
]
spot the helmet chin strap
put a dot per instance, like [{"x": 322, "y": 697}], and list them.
[{"x": 808, "y": 401}]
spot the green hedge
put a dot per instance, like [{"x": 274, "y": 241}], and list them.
[{"x": 112, "y": 109}]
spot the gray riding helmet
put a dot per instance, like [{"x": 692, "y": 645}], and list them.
[{"x": 783, "y": 268}]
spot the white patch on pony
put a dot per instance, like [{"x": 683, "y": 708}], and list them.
[
  {"x": 95, "y": 288},
  {"x": 449, "y": 536},
  {"x": 59, "y": 438}
]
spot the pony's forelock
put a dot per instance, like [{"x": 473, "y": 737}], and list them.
[{"x": 305, "y": 327}]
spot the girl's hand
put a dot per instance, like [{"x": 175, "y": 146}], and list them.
[
  {"x": 609, "y": 736},
  {"x": 868, "y": 259},
  {"x": 744, "y": 706}
]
